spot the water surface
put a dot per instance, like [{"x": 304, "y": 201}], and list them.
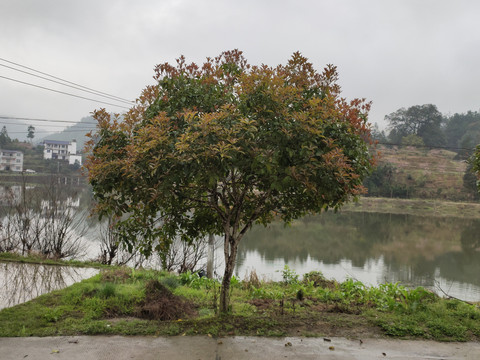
[
  {"x": 442, "y": 254},
  {"x": 22, "y": 282}
]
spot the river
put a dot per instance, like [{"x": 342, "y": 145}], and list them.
[{"x": 442, "y": 254}]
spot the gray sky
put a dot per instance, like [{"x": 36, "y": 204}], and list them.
[{"x": 395, "y": 53}]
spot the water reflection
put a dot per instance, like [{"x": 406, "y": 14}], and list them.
[
  {"x": 374, "y": 248},
  {"x": 23, "y": 282}
]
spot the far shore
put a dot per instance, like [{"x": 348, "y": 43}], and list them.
[{"x": 417, "y": 207}]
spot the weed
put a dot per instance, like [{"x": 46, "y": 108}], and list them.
[
  {"x": 170, "y": 281},
  {"x": 93, "y": 308},
  {"x": 172, "y": 330},
  {"x": 251, "y": 280},
  {"x": 440, "y": 329},
  {"x": 316, "y": 279},
  {"x": 107, "y": 290},
  {"x": 289, "y": 276},
  {"x": 53, "y": 315},
  {"x": 276, "y": 333}
]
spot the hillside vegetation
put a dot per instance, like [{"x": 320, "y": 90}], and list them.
[{"x": 419, "y": 173}]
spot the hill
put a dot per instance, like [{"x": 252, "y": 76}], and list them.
[
  {"x": 77, "y": 132},
  {"x": 410, "y": 172}
]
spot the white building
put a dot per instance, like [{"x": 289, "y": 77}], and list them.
[
  {"x": 61, "y": 150},
  {"x": 11, "y": 160}
]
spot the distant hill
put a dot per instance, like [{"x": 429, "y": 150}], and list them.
[
  {"x": 410, "y": 172},
  {"x": 77, "y": 132}
]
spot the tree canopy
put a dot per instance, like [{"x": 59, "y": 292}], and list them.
[
  {"x": 218, "y": 148},
  {"x": 31, "y": 132},
  {"x": 424, "y": 121}
]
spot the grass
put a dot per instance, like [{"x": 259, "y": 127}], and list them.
[{"x": 112, "y": 302}]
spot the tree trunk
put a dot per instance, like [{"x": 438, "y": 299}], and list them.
[
  {"x": 210, "y": 255},
  {"x": 230, "y": 252}
]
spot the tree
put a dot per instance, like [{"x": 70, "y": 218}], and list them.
[
  {"x": 474, "y": 164},
  {"x": 470, "y": 181},
  {"x": 31, "y": 133},
  {"x": 4, "y": 138},
  {"x": 424, "y": 121},
  {"x": 218, "y": 148},
  {"x": 412, "y": 140},
  {"x": 462, "y": 132}
]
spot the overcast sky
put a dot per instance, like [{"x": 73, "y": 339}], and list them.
[{"x": 395, "y": 53}]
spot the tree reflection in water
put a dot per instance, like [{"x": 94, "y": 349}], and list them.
[
  {"x": 23, "y": 282},
  {"x": 413, "y": 250}
]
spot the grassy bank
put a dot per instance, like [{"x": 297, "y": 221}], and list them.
[
  {"x": 423, "y": 207},
  {"x": 38, "y": 259},
  {"x": 132, "y": 302}
]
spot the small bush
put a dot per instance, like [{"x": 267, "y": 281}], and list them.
[
  {"x": 53, "y": 315},
  {"x": 289, "y": 275},
  {"x": 314, "y": 277}
]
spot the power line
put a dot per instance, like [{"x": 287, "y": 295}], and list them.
[
  {"x": 54, "y": 126},
  {"x": 62, "y": 92},
  {"x": 66, "y": 81},
  {"x": 74, "y": 87},
  {"x": 47, "y": 120},
  {"x": 50, "y": 132}
]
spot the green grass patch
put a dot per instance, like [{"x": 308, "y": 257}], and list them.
[{"x": 124, "y": 301}]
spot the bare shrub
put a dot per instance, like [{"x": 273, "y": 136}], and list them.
[
  {"x": 113, "y": 250},
  {"x": 43, "y": 219},
  {"x": 183, "y": 256},
  {"x": 161, "y": 304},
  {"x": 251, "y": 280}
]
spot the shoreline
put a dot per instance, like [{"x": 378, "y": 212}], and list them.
[{"x": 418, "y": 207}]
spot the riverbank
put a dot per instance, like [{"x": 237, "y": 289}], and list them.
[
  {"x": 418, "y": 207},
  {"x": 41, "y": 260},
  {"x": 125, "y": 301}
]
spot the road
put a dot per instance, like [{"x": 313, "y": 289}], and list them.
[{"x": 231, "y": 348}]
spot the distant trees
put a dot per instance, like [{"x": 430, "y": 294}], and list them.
[
  {"x": 424, "y": 125},
  {"x": 462, "y": 132},
  {"x": 424, "y": 121}
]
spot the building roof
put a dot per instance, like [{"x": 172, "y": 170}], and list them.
[{"x": 56, "y": 142}]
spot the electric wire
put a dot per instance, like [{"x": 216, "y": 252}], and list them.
[
  {"x": 62, "y": 92},
  {"x": 49, "y": 132},
  {"x": 71, "y": 86},
  {"x": 44, "y": 120},
  {"x": 66, "y": 81}
]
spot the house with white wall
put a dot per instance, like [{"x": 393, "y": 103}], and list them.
[
  {"x": 11, "y": 160},
  {"x": 61, "y": 150}
]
